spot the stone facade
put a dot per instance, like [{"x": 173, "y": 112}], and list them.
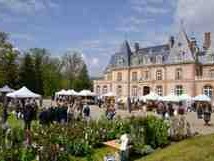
[{"x": 177, "y": 67}]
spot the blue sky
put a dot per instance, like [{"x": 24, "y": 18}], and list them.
[{"x": 96, "y": 28}]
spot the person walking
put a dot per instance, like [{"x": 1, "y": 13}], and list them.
[{"x": 86, "y": 112}]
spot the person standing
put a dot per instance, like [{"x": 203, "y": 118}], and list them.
[
  {"x": 207, "y": 113},
  {"x": 200, "y": 111},
  {"x": 86, "y": 112},
  {"x": 124, "y": 153}
]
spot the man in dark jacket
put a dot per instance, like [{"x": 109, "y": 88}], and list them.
[{"x": 28, "y": 115}]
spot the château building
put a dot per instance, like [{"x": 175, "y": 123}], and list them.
[{"x": 179, "y": 66}]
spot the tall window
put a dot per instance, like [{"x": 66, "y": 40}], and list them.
[
  {"x": 119, "y": 76},
  {"x": 159, "y": 90},
  {"x": 119, "y": 90},
  {"x": 178, "y": 74},
  {"x": 134, "y": 76},
  {"x": 208, "y": 90},
  {"x": 98, "y": 90},
  {"x": 134, "y": 91},
  {"x": 146, "y": 75},
  {"x": 179, "y": 90},
  {"x": 212, "y": 73},
  {"x": 105, "y": 89},
  {"x": 158, "y": 75}
]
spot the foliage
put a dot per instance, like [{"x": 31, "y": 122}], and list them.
[
  {"x": 80, "y": 138},
  {"x": 27, "y": 72},
  {"x": 179, "y": 128},
  {"x": 39, "y": 71},
  {"x": 156, "y": 132},
  {"x": 8, "y": 60}
]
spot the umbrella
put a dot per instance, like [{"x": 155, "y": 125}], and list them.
[
  {"x": 23, "y": 93},
  {"x": 202, "y": 98}
]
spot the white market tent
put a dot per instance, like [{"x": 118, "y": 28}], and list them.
[
  {"x": 23, "y": 93},
  {"x": 86, "y": 93},
  {"x": 171, "y": 98},
  {"x": 6, "y": 89},
  {"x": 185, "y": 97},
  {"x": 71, "y": 92},
  {"x": 202, "y": 98},
  {"x": 62, "y": 92},
  {"x": 152, "y": 96},
  {"x": 110, "y": 94}
]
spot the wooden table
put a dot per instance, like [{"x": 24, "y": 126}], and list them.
[{"x": 113, "y": 144}]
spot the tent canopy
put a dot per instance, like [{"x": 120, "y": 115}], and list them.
[
  {"x": 202, "y": 98},
  {"x": 62, "y": 92},
  {"x": 23, "y": 93},
  {"x": 6, "y": 89},
  {"x": 110, "y": 94},
  {"x": 171, "y": 98},
  {"x": 151, "y": 96},
  {"x": 185, "y": 97},
  {"x": 86, "y": 93}
]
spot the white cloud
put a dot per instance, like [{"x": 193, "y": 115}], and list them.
[
  {"x": 27, "y": 6},
  {"x": 95, "y": 61},
  {"x": 196, "y": 15},
  {"x": 22, "y": 36}
]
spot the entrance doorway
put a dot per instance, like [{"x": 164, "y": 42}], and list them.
[{"x": 146, "y": 90}]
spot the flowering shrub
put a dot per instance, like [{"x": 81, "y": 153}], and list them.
[{"x": 57, "y": 142}]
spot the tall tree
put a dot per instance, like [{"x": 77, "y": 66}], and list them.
[
  {"x": 27, "y": 72},
  {"x": 82, "y": 81},
  {"x": 8, "y": 62},
  {"x": 72, "y": 65},
  {"x": 38, "y": 56},
  {"x": 52, "y": 78}
]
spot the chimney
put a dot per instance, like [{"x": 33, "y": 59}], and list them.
[
  {"x": 171, "y": 41},
  {"x": 207, "y": 40},
  {"x": 136, "y": 46}
]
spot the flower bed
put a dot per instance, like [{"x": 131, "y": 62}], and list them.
[{"x": 81, "y": 138}]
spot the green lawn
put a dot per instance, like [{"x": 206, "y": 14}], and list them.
[{"x": 200, "y": 148}]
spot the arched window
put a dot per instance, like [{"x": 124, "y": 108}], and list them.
[
  {"x": 119, "y": 90},
  {"x": 98, "y": 90},
  {"x": 208, "y": 90},
  {"x": 158, "y": 75},
  {"x": 119, "y": 76},
  {"x": 105, "y": 89},
  {"x": 134, "y": 91},
  {"x": 178, "y": 74},
  {"x": 159, "y": 90},
  {"x": 179, "y": 90}
]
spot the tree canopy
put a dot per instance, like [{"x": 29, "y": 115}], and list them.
[{"x": 41, "y": 72}]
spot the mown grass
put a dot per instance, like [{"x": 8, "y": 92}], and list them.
[{"x": 199, "y": 148}]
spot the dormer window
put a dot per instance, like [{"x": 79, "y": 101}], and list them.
[{"x": 159, "y": 59}]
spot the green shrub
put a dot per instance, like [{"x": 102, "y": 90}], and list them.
[{"x": 156, "y": 132}]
